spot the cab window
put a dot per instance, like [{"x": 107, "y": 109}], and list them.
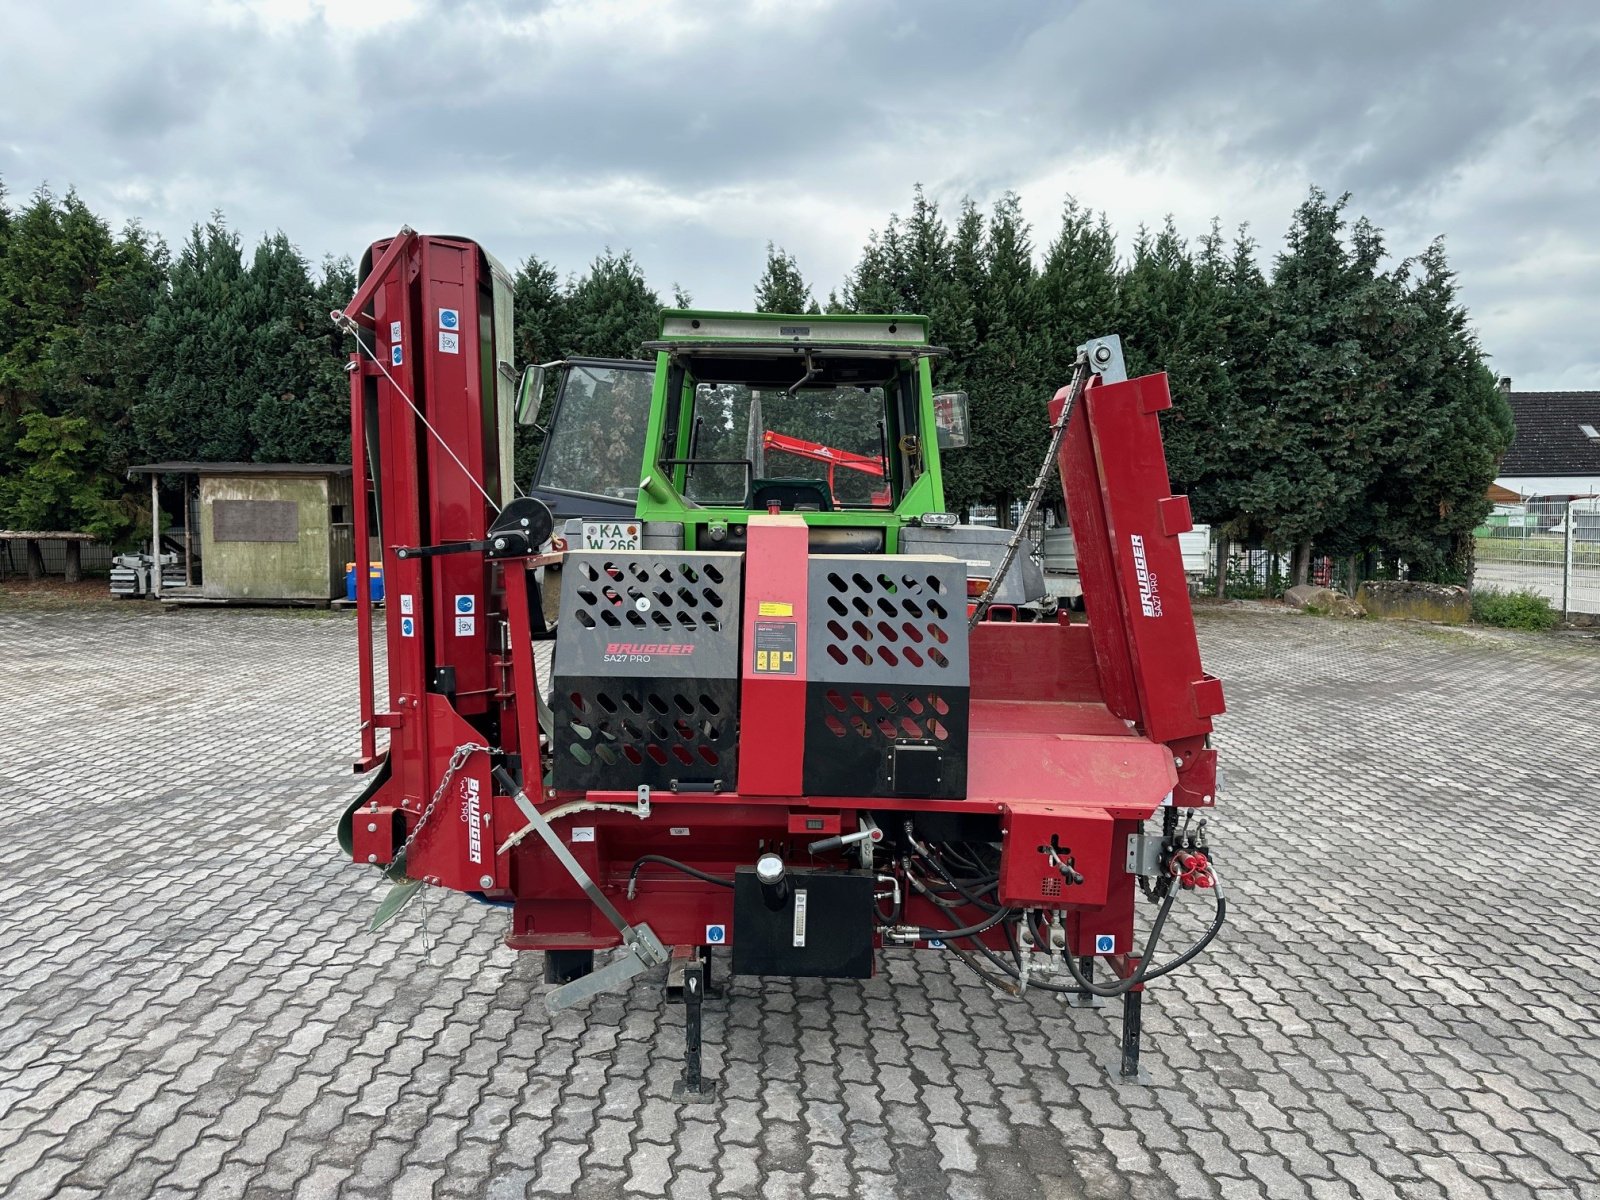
[
  {"x": 836, "y": 436},
  {"x": 596, "y": 440}
]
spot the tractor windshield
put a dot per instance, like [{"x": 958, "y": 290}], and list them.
[
  {"x": 832, "y": 438},
  {"x": 597, "y": 431}
]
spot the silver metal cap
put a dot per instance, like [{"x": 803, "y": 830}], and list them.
[{"x": 769, "y": 868}]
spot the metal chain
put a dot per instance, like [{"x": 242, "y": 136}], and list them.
[
  {"x": 458, "y": 759},
  {"x": 1080, "y": 379}
]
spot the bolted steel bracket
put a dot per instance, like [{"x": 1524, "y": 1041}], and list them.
[
  {"x": 1144, "y": 854},
  {"x": 1105, "y": 358}
]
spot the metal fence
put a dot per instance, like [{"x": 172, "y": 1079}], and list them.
[
  {"x": 1552, "y": 550},
  {"x": 93, "y": 557}
]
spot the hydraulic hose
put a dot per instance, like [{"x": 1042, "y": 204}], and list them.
[
  {"x": 685, "y": 868},
  {"x": 1122, "y": 986},
  {"x": 927, "y": 931},
  {"x": 926, "y": 856},
  {"x": 1012, "y": 974},
  {"x": 1217, "y": 922},
  {"x": 1146, "y": 969},
  {"x": 1145, "y": 972}
]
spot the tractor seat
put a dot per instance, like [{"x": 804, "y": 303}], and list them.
[{"x": 792, "y": 495}]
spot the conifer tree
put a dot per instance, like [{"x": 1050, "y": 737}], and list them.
[
  {"x": 539, "y": 313},
  {"x": 782, "y": 288},
  {"x": 294, "y": 381},
  {"x": 1449, "y": 425},
  {"x": 540, "y": 317},
  {"x": 877, "y": 285},
  {"x": 612, "y": 310},
  {"x": 73, "y": 299},
  {"x": 1078, "y": 287},
  {"x": 960, "y": 326},
  {"x": 1008, "y": 402},
  {"x": 1317, "y": 432},
  {"x": 200, "y": 396}
]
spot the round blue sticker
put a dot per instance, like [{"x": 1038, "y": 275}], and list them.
[{"x": 449, "y": 318}]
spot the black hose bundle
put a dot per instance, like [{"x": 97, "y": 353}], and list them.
[{"x": 975, "y": 890}]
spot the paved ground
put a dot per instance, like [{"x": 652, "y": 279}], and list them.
[{"x": 189, "y": 1003}]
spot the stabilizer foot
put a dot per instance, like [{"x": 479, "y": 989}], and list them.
[
  {"x": 693, "y": 1088},
  {"x": 1132, "y": 1016},
  {"x": 1082, "y": 998}
]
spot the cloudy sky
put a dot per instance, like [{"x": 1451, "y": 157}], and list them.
[{"x": 694, "y": 132}]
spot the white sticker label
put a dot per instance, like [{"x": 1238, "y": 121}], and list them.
[
  {"x": 800, "y": 917},
  {"x": 935, "y": 944},
  {"x": 679, "y": 831},
  {"x": 406, "y": 603},
  {"x": 466, "y": 626},
  {"x": 396, "y": 355},
  {"x": 449, "y": 318},
  {"x": 716, "y": 934},
  {"x": 583, "y": 833},
  {"x": 449, "y": 343},
  {"x": 466, "y": 604},
  {"x": 1149, "y": 592},
  {"x": 394, "y": 333},
  {"x": 408, "y": 627},
  {"x": 1105, "y": 943},
  {"x": 469, "y": 813}
]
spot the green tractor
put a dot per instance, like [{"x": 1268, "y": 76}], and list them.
[{"x": 834, "y": 418}]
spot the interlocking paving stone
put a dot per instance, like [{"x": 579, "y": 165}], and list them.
[{"x": 190, "y": 1003}]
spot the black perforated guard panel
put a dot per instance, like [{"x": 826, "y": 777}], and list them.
[
  {"x": 614, "y": 734},
  {"x": 647, "y": 692},
  {"x": 851, "y": 733},
  {"x": 887, "y": 665}
]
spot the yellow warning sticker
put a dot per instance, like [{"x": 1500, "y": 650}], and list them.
[
  {"x": 775, "y": 608},
  {"x": 776, "y": 644}
]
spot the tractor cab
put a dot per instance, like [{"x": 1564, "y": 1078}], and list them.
[{"x": 833, "y": 418}]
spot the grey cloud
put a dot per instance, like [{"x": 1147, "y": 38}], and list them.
[{"x": 694, "y": 133}]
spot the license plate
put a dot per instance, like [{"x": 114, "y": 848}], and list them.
[{"x": 611, "y": 535}]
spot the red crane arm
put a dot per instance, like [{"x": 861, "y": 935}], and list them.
[{"x": 817, "y": 451}]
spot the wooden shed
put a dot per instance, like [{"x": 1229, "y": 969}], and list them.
[{"x": 267, "y": 532}]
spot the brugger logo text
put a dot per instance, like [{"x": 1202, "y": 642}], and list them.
[
  {"x": 624, "y": 652},
  {"x": 469, "y": 814},
  {"x": 1149, "y": 593}
]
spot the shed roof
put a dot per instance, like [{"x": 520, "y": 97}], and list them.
[
  {"x": 239, "y": 468},
  {"x": 1550, "y": 437}
]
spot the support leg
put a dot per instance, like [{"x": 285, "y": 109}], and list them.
[
  {"x": 1131, "y": 1004},
  {"x": 693, "y": 1086},
  {"x": 1082, "y": 998}
]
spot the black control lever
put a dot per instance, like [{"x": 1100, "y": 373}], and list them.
[{"x": 840, "y": 841}]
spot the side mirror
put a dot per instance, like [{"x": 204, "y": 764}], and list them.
[
  {"x": 530, "y": 393},
  {"x": 951, "y": 420}
]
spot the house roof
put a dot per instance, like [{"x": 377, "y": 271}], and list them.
[
  {"x": 238, "y": 468},
  {"x": 1550, "y": 439}
]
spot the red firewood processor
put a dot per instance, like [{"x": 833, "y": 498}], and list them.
[{"x": 801, "y": 713}]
